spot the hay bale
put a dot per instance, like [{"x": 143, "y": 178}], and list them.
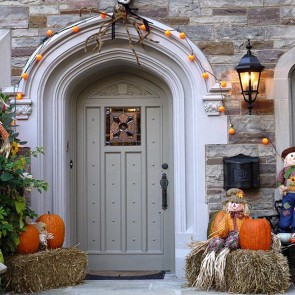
[
  {"x": 43, "y": 270},
  {"x": 247, "y": 271},
  {"x": 257, "y": 272},
  {"x": 192, "y": 266}
]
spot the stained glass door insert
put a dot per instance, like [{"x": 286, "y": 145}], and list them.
[{"x": 122, "y": 125}]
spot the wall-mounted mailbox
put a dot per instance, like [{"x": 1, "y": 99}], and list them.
[{"x": 241, "y": 172}]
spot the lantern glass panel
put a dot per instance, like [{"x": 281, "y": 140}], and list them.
[{"x": 249, "y": 81}]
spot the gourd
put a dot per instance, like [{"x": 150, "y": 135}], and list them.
[
  {"x": 255, "y": 234},
  {"x": 55, "y": 226},
  {"x": 28, "y": 240}
]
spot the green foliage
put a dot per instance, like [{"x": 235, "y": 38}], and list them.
[{"x": 15, "y": 183}]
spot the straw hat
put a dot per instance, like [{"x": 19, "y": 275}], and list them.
[{"x": 235, "y": 195}]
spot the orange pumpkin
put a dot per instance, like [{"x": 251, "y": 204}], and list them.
[
  {"x": 28, "y": 240},
  {"x": 55, "y": 226},
  {"x": 255, "y": 234}
]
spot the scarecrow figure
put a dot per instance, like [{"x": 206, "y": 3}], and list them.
[
  {"x": 223, "y": 236},
  {"x": 226, "y": 223},
  {"x": 286, "y": 185},
  {"x": 5, "y": 147},
  {"x": 44, "y": 235},
  {"x": 5, "y": 150}
]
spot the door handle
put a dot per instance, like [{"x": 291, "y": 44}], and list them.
[{"x": 164, "y": 184}]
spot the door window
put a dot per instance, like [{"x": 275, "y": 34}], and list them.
[{"x": 122, "y": 125}]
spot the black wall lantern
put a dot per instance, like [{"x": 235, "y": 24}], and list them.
[{"x": 249, "y": 70}]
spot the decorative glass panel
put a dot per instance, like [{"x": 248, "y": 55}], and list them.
[{"x": 123, "y": 126}]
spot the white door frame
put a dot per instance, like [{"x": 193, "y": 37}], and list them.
[
  {"x": 282, "y": 91},
  {"x": 54, "y": 84}
]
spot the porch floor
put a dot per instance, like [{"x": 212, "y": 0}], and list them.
[{"x": 170, "y": 285}]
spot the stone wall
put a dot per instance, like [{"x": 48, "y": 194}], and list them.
[
  {"x": 246, "y": 141},
  {"x": 220, "y": 29},
  {"x": 262, "y": 199}
]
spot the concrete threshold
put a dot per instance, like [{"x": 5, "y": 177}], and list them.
[{"x": 170, "y": 285}]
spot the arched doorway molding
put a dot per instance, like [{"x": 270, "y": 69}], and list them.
[
  {"x": 55, "y": 83},
  {"x": 284, "y": 96}
]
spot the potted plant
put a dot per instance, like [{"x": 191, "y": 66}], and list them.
[{"x": 15, "y": 181}]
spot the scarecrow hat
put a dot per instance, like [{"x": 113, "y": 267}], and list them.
[
  {"x": 288, "y": 151},
  {"x": 235, "y": 195}
]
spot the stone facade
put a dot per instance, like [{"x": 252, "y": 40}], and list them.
[
  {"x": 220, "y": 29},
  {"x": 261, "y": 199}
]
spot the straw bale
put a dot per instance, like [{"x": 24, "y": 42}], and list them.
[
  {"x": 193, "y": 265},
  {"x": 247, "y": 271},
  {"x": 27, "y": 273},
  {"x": 257, "y": 272}
]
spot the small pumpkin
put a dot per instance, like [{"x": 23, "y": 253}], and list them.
[
  {"x": 255, "y": 234},
  {"x": 28, "y": 240},
  {"x": 55, "y": 226}
]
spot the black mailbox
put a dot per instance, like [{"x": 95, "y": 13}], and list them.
[{"x": 241, "y": 172}]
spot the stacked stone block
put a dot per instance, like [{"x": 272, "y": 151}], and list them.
[{"x": 262, "y": 199}]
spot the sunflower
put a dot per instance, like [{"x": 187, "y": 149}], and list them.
[
  {"x": 240, "y": 194},
  {"x": 14, "y": 148},
  {"x": 23, "y": 162}
]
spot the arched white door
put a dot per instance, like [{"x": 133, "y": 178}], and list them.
[{"x": 123, "y": 140}]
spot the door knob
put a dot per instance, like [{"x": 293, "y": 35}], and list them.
[{"x": 165, "y": 166}]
